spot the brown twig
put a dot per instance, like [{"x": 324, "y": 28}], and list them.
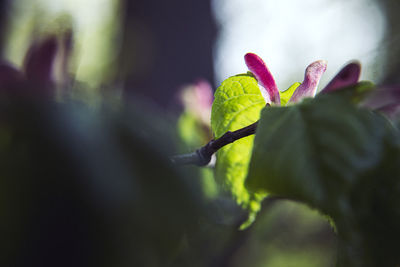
[{"x": 202, "y": 156}]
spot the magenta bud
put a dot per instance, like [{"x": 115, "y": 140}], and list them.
[
  {"x": 38, "y": 64},
  {"x": 312, "y": 76},
  {"x": 268, "y": 87},
  {"x": 385, "y": 99},
  {"x": 347, "y": 76},
  {"x": 10, "y": 76}
]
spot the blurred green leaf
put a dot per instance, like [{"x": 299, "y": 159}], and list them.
[
  {"x": 92, "y": 186},
  {"x": 194, "y": 134},
  {"x": 192, "y": 131},
  {"x": 288, "y": 233},
  {"x": 238, "y": 102}
]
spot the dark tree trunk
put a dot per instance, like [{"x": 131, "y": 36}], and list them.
[
  {"x": 392, "y": 40},
  {"x": 166, "y": 44},
  {"x": 4, "y": 14}
]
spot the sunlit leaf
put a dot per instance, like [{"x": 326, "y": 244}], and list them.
[
  {"x": 237, "y": 104},
  {"x": 287, "y": 94}
]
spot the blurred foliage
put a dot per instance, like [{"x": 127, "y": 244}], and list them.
[
  {"x": 79, "y": 188},
  {"x": 194, "y": 134},
  {"x": 286, "y": 234},
  {"x": 193, "y": 128},
  {"x": 94, "y": 24},
  {"x": 86, "y": 178}
]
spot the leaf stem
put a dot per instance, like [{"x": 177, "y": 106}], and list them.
[{"x": 202, "y": 156}]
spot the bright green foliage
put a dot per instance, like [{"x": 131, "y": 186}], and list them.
[
  {"x": 238, "y": 102},
  {"x": 287, "y": 94},
  {"x": 340, "y": 159}
]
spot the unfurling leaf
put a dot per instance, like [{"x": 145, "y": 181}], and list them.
[{"x": 237, "y": 104}]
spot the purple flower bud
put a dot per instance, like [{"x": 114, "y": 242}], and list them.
[
  {"x": 38, "y": 64},
  {"x": 347, "y": 76},
  {"x": 384, "y": 99},
  {"x": 269, "y": 90},
  {"x": 197, "y": 99},
  {"x": 308, "y": 87},
  {"x": 10, "y": 77}
]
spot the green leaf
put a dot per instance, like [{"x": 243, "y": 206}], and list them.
[
  {"x": 238, "y": 102},
  {"x": 314, "y": 150},
  {"x": 287, "y": 94},
  {"x": 340, "y": 159}
]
